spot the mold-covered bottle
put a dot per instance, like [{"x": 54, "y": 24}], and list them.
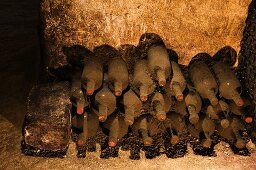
[
  {"x": 219, "y": 112},
  {"x": 140, "y": 128},
  {"x": 206, "y": 126},
  {"x": 175, "y": 124},
  {"x": 132, "y": 106},
  {"x": 142, "y": 79},
  {"x": 208, "y": 129},
  {"x": 194, "y": 105},
  {"x": 158, "y": 105},
  {"x": 89, "y": 125},
  {"x": 229, "y": 85},
  {"x": 118, "y": 75},
  {"x": 92, "y": 76},
  {"x": 178, "y": 82},
  {"x": 105, "y": 103},
  {"x": 204, "y": 81},
  {"x": 77, "y": 96},
  {"x": 246, "y": 111},
  {"x": 159, "y": 64},
  {"x": 117, "y": 127}
]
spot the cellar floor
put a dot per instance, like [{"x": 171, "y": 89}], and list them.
[{"x": 12, "y": 158}]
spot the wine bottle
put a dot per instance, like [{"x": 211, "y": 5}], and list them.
[
  {"x": 89, "y": 125},
  {"x": 158, "y": 105},
  {"x": 77, "y": 96},
  {"x": 118, "y": 76},
  {"x": 159, "y": 64},
  {"x": 194, "y": 105},
  {"x": 214, "y": 112},
  {"x": 208, "y": 128},
  {"x": 204, "y": 81},
  {"x": 140, "y": 128},
  {"x": 178, "y": 82},
  {"x": 229, "y": 85},
  {"x": 246, "y": 111},
  {"x": 132, "y": 106},
  {"x": 238, "y": 126},
  {"x": 176, "y": 125},
  {"x": 105, "y": 103},
  {"x": 92, "y": 76},
  {"x": 117, "y": 129},
  {"x": 142, "y": 80}
]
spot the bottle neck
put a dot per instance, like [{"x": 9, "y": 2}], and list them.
[
  {"x": 161, "y": 77},
  {"x": 211, "y": 96},
  {"x": 143, "y": 93},
  {"x": 103, "y": 113},
  {"x": 129, "y": 115},
  {"x": 177, "y": 91},
  {"x": 90, "y": 87}
]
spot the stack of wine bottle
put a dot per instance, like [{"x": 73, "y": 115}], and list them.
[{"x": 160, "y": 96}]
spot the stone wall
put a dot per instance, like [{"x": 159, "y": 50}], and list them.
[{"x": 188, "y": 27}]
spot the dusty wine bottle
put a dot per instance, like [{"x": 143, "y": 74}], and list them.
[
  {"x": 229, "y": 85},
  {"x": 77, "y": 96},
  {"x": 178, "y": 82},
  {"x": 158, "y": 105},
  {"x": 92, "y": 76},
  {"x": 194, "y": 105},
  {"x": 105, "y": 103},
  {"x": 117, "y": 129},
  {"x": 118, "y": 75},
  {"x": 238, "y": 126},
  {"x": 214, "y": 112},
  {"x": 204, "y": 81},
  {"x": 176, "y": 125},
  {"x": 159, "y": 64},
  {"x": 132, "y": 106},
  {"x": 140, "y": 128},
  {"x": 142, "y": 79},
  {"x": 88, "y": 123},
  {"x": 208, "y": 128},
  {"x": 246, "y": 111}
]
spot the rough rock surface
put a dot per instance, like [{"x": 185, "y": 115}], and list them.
[
  {"x": 47, "y": 123},
  {"x": 188, "y": 27}
]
